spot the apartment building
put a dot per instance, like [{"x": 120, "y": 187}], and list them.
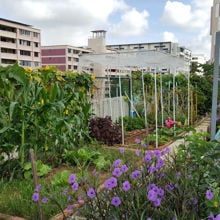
[
  {"x": 64, "y": 57},
  {"x": 19, "y": 43},
  {"x": 167, "y": 47}
]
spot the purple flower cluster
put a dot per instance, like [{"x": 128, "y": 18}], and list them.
[
  {"x": 72, "y": 181},
  {"x": 136, "y": 174},
  {"x": 116, "y": 201},
  {"x": 111, "y": 183},
  {"x": 155, "y": 194}
]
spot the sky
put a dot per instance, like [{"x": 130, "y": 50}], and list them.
[{"x": 70, "y": 22}]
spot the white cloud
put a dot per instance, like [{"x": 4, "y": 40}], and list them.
[
  {"x": 64, "y": 22},
  {"x": 187, "y": 17},
  {"x": 168, "y": 36},
  {"x": 191, "y": 19},
  {"x": 133, "y": 23}
]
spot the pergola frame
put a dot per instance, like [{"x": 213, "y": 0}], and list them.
[{"x": 140, "y": 59}]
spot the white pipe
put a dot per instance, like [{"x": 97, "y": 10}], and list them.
[
  {"x": 161, "y": 99},
  {"x": 144, "y": 96},
  {"x": 131, "y": 100},
  {"x": 174, "y": 101},
  {"x": 188, "y": 100},
  {"x": 109, "y": 91},
  {"x": 122, "y": 115},
  {"x": 156, "y": 107}
]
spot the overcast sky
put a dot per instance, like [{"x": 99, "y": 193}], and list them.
[{"x": 126, "y": 21}]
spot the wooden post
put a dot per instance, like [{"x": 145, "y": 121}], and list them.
[{"x": 34, "y": 172}]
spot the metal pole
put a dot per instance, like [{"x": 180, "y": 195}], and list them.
[
  {"x": 188, "y": 99},
  {"x": 156, "y": 107},
  {"x": 161, "y": 99},
  {"x": 144, "y": 96},
  {"x": 215, "y": 86},
  {"x": 121, "y": 107}
]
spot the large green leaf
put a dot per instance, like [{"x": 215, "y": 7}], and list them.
[{"x": 11, "y": 109}]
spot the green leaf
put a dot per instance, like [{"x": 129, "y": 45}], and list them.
[
  {"x": 27, "y": 166},
  {"x": 11, "y": 109}
]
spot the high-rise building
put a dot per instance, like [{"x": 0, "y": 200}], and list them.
[
  {"x": 19, "y": 43},
  {"x": 214, "y": 25},
  {"x": 64, "y": 57}
]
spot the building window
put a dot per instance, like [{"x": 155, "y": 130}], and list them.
[
  {"x": 25, "y": 42},
  {"x": 69, "y": 67},
  {"x": 69, "y": 58},
  {"x": 76, "y": 59},
  {"x": 25, "y": 63},
  {"x": 74, "y": 67},
  {"x": 7, "y": 39},
  {"x": 36, "y": 54},
  {"x": 8, "y": 50},
  {"x": 36, "y": 64},
  {"x": 69, "y": 50},
  {"x": 25, "y": 52},
  {"x": 35, "y": 34},
  {"x": 7, "y": 61},
  {"x": 35, "y": 44},
  {"x": 25, "y": 32},
  {"x": 76, "y": 51}
]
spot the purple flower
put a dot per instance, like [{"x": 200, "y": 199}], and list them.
[
  {"x": 147, "y": 158},
  {"x": 116, "y": 163},
  {"x": 152, "y": 195},
  {"x": 64, "y": 191},
  {"x": 136, "y": 174},
  {"x": 169, "y": 187},
  {"x": 111, "y": 183},
  {"x": 72, "y": 178},
  {"x": 137, "y": 141},
  {"x": 217, "y": 217},
  {"x": 44, "y": 200},
  {"x": 157, "y": 202},
  {"x": 117, "y": 172},
  {"x": 137, "y": 152},
  {"x": 35, "y": 197},
  {"x": 160, "y": 192},
  {"x": 151, "y": 186},
  {"x": 144, "y": 146},
  {"x": 75, "y": 186},
  {"x": 209, "y": 194},
  {"x": 70, "y": 207},
  {"x": 148, "y": 218},
  {"x": 116, "y": 201},
  {"x": 122, "y": 150},
  {"x": 188, "y": 176},
  {"x": 152, "y": 169},
  {"x": 37, "y": 188},
  {"x": 157, "y": 153},
  {"x": 126, "y": 186},
  {"x": 178, "y": 174},
  {"x": 124, "y": 168},
  {"x": 91, "y": 193},
  {"x": 160, "y": 162}
]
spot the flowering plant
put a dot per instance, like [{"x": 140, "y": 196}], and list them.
[{"x": 163, "y": 185}]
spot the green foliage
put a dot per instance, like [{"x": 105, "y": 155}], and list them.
[
  {"x": 61, "y": 178},
  {"x": 41, "y": 169},
  {"x": 134, "y": 123},
  {"x": 43, "y": 109}
]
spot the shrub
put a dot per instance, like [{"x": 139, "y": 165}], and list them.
[{"x": 103, "y": 129}]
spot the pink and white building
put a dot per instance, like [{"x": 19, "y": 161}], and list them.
[{"x": 64, "y": 57}]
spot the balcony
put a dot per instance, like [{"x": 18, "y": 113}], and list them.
[
  {"x": 12, "y": 56},
  {"x": 8, "y": 34},
  {"x": 8, "y": 45}
]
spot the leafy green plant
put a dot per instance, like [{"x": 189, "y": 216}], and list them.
[
  {"x": 42, "y": 169},
  {"x": 134, "y": 123}
]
